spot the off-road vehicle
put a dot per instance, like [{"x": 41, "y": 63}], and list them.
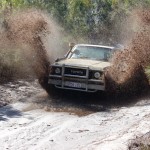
[{"x": 82, "y": 68}]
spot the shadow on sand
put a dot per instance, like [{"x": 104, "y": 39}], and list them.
[{"x": 8, "y": 112}]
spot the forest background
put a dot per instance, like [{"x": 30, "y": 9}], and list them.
[{"x": 94, "y": 21}]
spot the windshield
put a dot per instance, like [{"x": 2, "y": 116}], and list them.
[{"x": 91, "y": 52}]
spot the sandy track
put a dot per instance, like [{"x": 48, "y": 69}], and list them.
[{"x": 30, "y": 125}]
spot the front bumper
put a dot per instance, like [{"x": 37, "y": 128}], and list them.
[{"x": 75, "y": 82}]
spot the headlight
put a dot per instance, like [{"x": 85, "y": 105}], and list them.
[
  {"x": 57, "y": 71},
  {"x": 97, "y": 75}
]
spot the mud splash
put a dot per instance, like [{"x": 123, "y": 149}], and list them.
[
  {"x": 25, "y": 30},
  {"x": 127, "y": 72},
  {"x": 33, "y": 35}
]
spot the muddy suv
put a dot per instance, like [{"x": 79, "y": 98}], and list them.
[{"x": 82, "y": 68}]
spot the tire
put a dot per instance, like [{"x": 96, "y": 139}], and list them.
[{"x": 49, "y": 88}]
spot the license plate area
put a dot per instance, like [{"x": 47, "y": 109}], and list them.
[{"x": 73, "y": 84}]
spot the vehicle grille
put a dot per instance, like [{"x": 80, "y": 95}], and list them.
[
  {"x": 75, "y": 71},
  {"x": 75, "y": 78}
]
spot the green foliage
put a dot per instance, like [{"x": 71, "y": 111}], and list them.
[
  {"x": 11, "y": 3},
  {"x": 77, "y": 16},
  {"x": 93, "y": 19}
]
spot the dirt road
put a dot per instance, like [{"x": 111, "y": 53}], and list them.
[{"x": 38, "y": 122}]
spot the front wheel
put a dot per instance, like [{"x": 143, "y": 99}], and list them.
[{"x": 49, "y": 88}]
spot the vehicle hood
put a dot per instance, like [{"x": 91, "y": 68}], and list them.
[{"x": 92, "y": 64}]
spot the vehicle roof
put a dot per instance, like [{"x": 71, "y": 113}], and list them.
[{"x": 92, "y": 45}]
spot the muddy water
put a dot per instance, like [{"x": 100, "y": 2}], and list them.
[
  {"x": 127, "y": 70},
  {"x": 70, "y": 102},
  {"x": 27, "y": 31},
  {"x": 79, "y": 105}
]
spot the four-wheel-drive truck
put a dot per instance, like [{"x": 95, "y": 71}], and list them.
[{"x": 82, "y": 68}]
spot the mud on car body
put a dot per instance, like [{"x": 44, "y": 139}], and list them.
[{"x": 82, "y": 68}]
